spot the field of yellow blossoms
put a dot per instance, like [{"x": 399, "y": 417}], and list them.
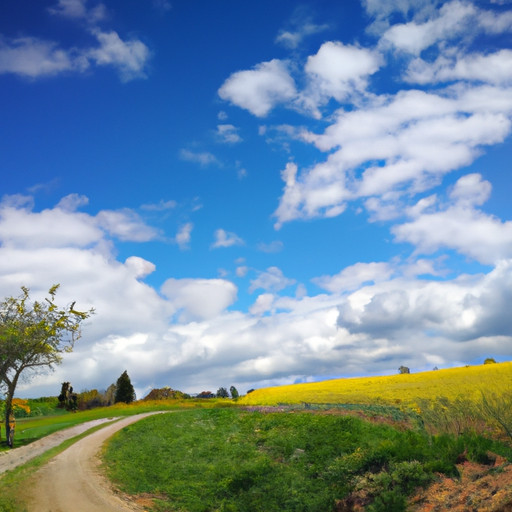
[{"x": 401, "y": 389}]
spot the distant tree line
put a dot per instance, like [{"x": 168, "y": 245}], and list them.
[{"x": 121, "y": 391}]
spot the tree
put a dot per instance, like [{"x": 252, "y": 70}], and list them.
[
  {"x": 33, "y": 336},
  {"x": 234, "y": 392},
  {"x": 110, "y": 394},
  {"x": 124, "y": 389},
  {"x": 67, "y": 399},
  {"x": 490, "y": 360},
  {"x": 404, "y": 369},
  {"x": 222, "y": 393}
]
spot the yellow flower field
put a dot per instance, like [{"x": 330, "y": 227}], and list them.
[{"x": 406, "y": 389}]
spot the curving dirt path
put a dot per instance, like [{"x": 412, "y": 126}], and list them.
[
  {"x": 72, "y": 482},
  {"x": 11, "y": 459}
]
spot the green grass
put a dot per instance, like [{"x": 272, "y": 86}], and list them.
[
  {"x": 32, "y": 428},
  {"x": 235, "y": 460}
]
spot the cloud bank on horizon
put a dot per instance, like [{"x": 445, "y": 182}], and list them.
[{"x": 341, "y": 209}]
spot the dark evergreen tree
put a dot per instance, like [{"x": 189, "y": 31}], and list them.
[{"x": 124, "y": 389}]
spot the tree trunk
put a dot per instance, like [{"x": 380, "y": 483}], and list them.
[
  {"x": 8, "y": 412},
  {"x": 11, "y": 387}
]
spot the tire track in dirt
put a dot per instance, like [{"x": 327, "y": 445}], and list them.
[
  {"x": 18, "y": 456},
  {"x": 72, "y": 480}
]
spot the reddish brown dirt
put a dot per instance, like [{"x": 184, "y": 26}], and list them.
[{"x": 480, "y": 488}]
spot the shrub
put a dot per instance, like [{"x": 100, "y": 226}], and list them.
[
  {"x": 497, "y": 410},
  {"x": 442, "y": 416}
]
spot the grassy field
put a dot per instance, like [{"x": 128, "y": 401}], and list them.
[
  {"x": 32, "y": 428},
  {"x": 406, "y": 389},
  {"x": 241, "y": 461}
]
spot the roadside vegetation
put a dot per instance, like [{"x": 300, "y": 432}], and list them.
[
  {"x": 337, "y": 445},
  {"x": 239, "y": 460},
  {"x": 31, "y": 428}
]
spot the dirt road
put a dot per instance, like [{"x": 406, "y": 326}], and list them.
[
  {"x": 13, "y": 458},
  {"x": 71, "y": 482}
]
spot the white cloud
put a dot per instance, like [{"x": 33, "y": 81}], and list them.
[
  {"x": 72, "y": 202},
  {"x": 22, "y": 228},
  {"x": 386, "y": 148},
  {"x": 272, "y": 279},
  {"x": 460, "y": 226},
  {"x": 160, "y": 206},
  {"x": 337, "y": 71},
  {"x": 126, "y": 225},
  {"x": 203, "y": 158},
  {"x": 225, "y": 239},
  {"x": 241, "y": 271},
  {"x": 259, "y": 90},
  {"x": 382, "y": 10},
  {"x": 228, "y": 133},
  {"x": 263, "y": 304},
  {"x": 184, "y": 235},
  {"x": 380, "y": 323},
  {"x": 129, "y": 57},
  {"x": 76, "y": 9},
  {"x": 293, "y": 38},
  {"x": 451, "y": 310},
  {"x": 32, "y": 57},
  {"x": 139, "y": 266},
  {"x": 452, "y": 20},
  {"x": 272, "y": 247},
  {"x": 353, "y": 277},
  {"x": 199, "y": 299},
  {"x": 494, "y": 68}
]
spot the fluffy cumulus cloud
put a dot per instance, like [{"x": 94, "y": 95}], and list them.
[
  {"x": 378, "y": 147},
  {"x": 385, "y": 148},
  {"x": 199, "y": 299},
  {"x": 374, "y": 314},
  {"x": 460, "y": 225},
  {"x": 260, "y": 89},
  {"x": 338, "y": 71}
]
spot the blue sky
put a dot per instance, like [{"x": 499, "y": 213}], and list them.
[{"x": 259, "y": 193}]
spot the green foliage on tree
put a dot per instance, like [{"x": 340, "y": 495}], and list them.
[
  {"x": 490, "y": 360},
  {"x": 33, "y": 337},
  {"x": 403, "y": 370},
  {"x": 222, "y": 393},
  {"x": 67, "y": 399},
  {"x": 110, "y": 395},
  {"x": 124, "y": 389},
  {"x": 234, "y": 392}
]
